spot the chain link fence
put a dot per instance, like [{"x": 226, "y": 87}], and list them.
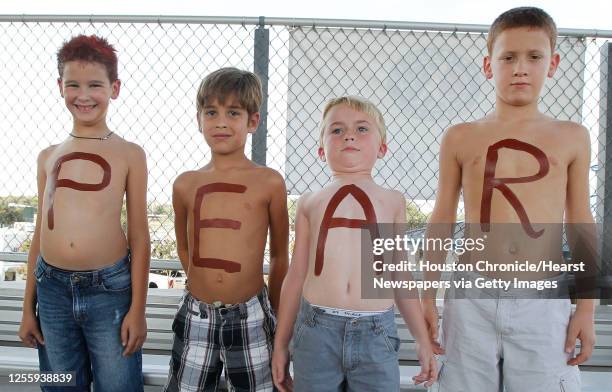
[{"x": 423, "y": 77}]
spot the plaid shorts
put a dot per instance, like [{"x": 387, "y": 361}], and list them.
[{"x": 208, "y": 338}]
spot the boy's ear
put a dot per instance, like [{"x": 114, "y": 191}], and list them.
[
  {"x": 486, "y": 67},
  {"x": 382, "y": 150},
  {"x": 253, "y": 122},
  {"x": 61, "y": 86},
  {"x": 554, "y": 63},
  {"x": 321, "y": 153},
  {"x": 115, "y": 86}
]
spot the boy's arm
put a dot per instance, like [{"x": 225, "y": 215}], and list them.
[
  {"x": 279, "y": 238},
  {"x": 291, "y": 293},
  {"x": 134, "y": 327},
  {"x": 180, "y": 221},
  {"x": 410, "y": 309},
  {"x": 582, "y": 238},
  {"x": 441, "y": 222},
  {"x": 29, "y": 331}
]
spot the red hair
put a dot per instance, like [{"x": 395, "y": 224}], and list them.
[{"x": 91, "y": 49}]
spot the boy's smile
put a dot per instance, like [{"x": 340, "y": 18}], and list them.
[
  {"x": 225, "y": 126},
  {"x": 87, "y": 91}
]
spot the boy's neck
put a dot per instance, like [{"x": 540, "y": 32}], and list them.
[
  {"x": 511, "y": 113},
  {"x": 352, "y": 177},
  {"x": 98, "y": 130},
  {"x": 234, "y": 160}
]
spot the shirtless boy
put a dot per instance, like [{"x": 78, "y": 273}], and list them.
[
  {"x": 222, "y": 215},
  {"x": 88, "y": 280},
  {"x": 521, "y": 172},
  {"x": 341, "y": 341}
]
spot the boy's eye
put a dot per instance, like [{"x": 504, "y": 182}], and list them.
[
  {"x": 234, "y": 113},
  {"x": 362, "y": 129},
  {"x": 336, "y": 131},
  {"x": 210, "y": 113},
  {"x": 536, "y": 56}
]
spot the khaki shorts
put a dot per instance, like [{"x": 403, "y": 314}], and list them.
[{"x": 494, "y": 340}]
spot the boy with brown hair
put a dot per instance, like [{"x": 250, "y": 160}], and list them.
[
  {"x": 520, "y": 172},
  {"x": 222, "y": 215},
  {"x": 343, "y": 341},
  {"x": 88, "y": 280}
]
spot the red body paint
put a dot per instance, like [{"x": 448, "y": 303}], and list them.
[
  {"x": 198, "y": 224},
  {"x": 490, "y": 183},
  {"x": 329, "y": 222},
  {"x": 79, "y": 186}
]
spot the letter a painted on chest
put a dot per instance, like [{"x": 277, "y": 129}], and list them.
[{"x": 329, "y": 222}]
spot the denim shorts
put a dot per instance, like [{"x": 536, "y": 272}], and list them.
[
  {"x": 80, "y": 315},
  {"x": 339, "y": 353}
]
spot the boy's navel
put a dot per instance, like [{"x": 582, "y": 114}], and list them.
[{"x": 219, "y": 278}]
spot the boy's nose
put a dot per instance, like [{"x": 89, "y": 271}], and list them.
[{"x": 519, "y": 68}]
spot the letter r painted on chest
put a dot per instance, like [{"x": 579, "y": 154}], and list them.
[
  {"x": 219, "y": 223},
  {"x": 490, "y": 183}
]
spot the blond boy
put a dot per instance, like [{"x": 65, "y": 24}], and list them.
[{"x": 342, "y": 341}]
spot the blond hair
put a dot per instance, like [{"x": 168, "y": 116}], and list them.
[{"x": 359, "y": 104}]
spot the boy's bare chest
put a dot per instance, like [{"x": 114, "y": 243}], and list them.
[
  {"x": 221, "y": 198},
  {"x": 86, "y": 170},
  {"x": 514, "y": 160}
]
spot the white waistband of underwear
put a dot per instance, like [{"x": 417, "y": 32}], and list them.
[{"x": 349, "y": 313}]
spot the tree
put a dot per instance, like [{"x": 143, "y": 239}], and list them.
[
  {"x": 8, "y": 215},
  {"x": 415, "y": 218}
]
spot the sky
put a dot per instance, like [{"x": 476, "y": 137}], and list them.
[{"x": 591, "y": 14}]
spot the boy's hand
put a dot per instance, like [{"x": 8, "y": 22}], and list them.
[
  {"x": 280, "y": 370},
  {"x": 29, "y": 331},
  {"x": 133, "y": 332},
  {"x": 429, "y": 368},
  {"x": 581, "y": 326},
  {"x": 430, "y": 312}
]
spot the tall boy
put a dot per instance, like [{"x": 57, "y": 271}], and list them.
[
  {"x": 222, "y": 215},
  {"x": 342, "y": 341},
  {"x": 515, "y": 166},
  {"x": 88, "y": 280}
]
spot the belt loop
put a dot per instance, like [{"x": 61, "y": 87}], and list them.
[
  {"x": 244, "y": 313},
  {"x": 203, "y": 311},
  {"x": 312, "y": 316},
  {"x": 377, "y": 325}
]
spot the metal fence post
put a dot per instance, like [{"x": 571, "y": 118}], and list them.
[
  {"x": 262, "y": 59},
  {"x": 606, "y": 128}
]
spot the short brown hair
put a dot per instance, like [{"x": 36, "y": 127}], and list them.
[
  {"x": 227, "y": 82},
  {"x": 91, "y": 49},
  {"x": 523, "y": 17},
  {"x": 359, "y": 104}
]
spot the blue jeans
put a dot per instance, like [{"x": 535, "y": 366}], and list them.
[
  {"x": 337, "y": 353},
  {"x": 80, "y": 315}
]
